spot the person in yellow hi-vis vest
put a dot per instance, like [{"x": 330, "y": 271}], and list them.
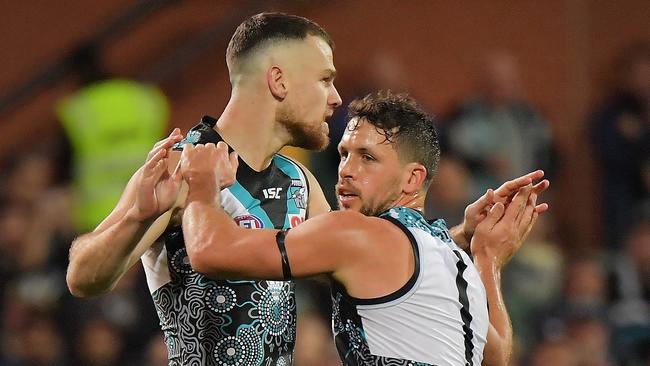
[{"x": 111, "y": 126}]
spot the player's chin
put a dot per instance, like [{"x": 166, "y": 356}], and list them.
[
  {"x": 348, "y": 206},
  {"x": 316, "y": 141}
]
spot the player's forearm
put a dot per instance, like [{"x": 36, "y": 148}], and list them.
[
  {"x": 209, "y": 234},
  {"x": 100, "y": 258},
  {"x": 219, "y": 249},
  {"x": 499, "y": 348}
]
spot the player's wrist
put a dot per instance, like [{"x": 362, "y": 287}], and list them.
[
  {"x": 202, "y": 193},
  {"x": 486, "y": 259},
  {"x": 135, "y": 216}
]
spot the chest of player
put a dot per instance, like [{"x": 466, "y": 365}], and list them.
[{"x": 274, "y": 198}]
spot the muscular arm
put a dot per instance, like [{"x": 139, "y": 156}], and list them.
[
  {"x": 219, "y": 248},
  {"x": 100, "y": 258}
]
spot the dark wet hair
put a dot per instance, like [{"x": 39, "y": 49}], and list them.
[{"x": 404, "y": 123}]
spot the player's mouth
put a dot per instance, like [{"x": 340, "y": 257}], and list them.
[{"x": 346, "y": 195}]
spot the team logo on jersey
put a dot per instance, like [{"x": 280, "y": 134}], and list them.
[
  {"x": 249, "y": 222},
  {"x": 297, "y": 193},
  {"x": 295, "y": 220}
]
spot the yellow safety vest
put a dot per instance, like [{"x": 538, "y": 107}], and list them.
[{"x": 112, "y": 125}]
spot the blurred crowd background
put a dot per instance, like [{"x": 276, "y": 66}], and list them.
[{"x": 86, "y": 88}]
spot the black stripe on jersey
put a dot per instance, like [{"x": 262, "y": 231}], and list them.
[
  {"x": 461, "y": 284},
  {"x": 409, "y": 284}
]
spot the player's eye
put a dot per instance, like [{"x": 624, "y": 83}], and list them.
[{"x": 368, "y": 157}]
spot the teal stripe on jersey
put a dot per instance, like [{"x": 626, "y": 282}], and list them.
[
  {"x": 252, "y": 204},
  {"x": 289, "y": 168},
  {"x": 412, "y": 218}
]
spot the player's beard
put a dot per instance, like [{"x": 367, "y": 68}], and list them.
[
  {"x": 308, "y": 136},
  {"x": 371, "y": 209}
]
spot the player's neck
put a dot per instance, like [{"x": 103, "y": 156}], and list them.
[
  {"x": 414, "y": 201},
  {"x": 248, "y": 126}
]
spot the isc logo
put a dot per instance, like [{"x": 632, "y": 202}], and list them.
[
  {"x": 272, "y": 193},
  {"x": 249, "y": 222}
]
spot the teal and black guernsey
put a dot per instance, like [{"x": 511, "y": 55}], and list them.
[{"x": 233, "y": 322}]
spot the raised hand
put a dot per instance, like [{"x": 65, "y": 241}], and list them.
[
  {"x": 478, "y": 210},
  {"x": 504, "y": 229},
  {"x": 156, "y": 189}
]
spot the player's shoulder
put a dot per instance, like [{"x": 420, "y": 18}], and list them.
[{"x": 350, "y": 222}]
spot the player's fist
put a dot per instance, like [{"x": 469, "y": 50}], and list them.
[{"x": 207, "y": 168}]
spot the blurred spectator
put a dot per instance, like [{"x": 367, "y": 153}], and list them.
[
  {"x": 553, "y": 352},
  {"x": 127, "y": 309},
  {"x": 532, "y": 281},
  {"x": 156, "y": 352},
  {"x": 630, "y": 296},
  {"x": 100, "y": 344},
  {"x": 620, "y": 131},
  {"x": 497, "y": 132},
  {"x": 41, "y": 343},
  {"x": 29, "y": 176},
  {"x": 111, "y": 125},
  {"x": 583, "y": 317},
  {"x": 589, "y": 339}
]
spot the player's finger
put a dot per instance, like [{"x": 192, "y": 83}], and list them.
[
  {"x": 490, "y": 196},
  {"x": 159, "y": 169},
  {"x": 152, "y": 161},
  {"x": 482, "y": 202},
  {"x": 541, "y": 208},
  {"x": 234, "y": 160},
  {"x": 493, "y": 216},
  {"x": 530, "y": 226},
  {"x": 173, "y": 137},
  {"x": 541, "y": 186},
  {"x": 512, "y": 186},
  {"x": 518, "y": 203},
  {"x": 166, "y": 143},
  {"x": 527, "y": 214},
  {"x": 222, "y": 150}
]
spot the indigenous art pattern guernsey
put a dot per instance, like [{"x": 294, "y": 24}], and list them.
[{"x": 234, "y": 322}]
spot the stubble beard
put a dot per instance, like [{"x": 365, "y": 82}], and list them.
[
  {"x": 303, "y": 134},
  {"x": 379, "y": 208}
]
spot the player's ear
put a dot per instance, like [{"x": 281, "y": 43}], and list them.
[
  {"x": 276, "y": 82},
  {"x": 415, "y": 175}
]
